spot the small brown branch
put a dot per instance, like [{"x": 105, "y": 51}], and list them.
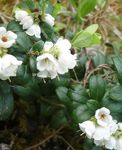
[
  {"x": 51, "y": 103},
  {"x": 45, "y": 140},
  {"x": 69, "y": 145}
]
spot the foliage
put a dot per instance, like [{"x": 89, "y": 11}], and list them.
[{"x": 34, "y": 107}]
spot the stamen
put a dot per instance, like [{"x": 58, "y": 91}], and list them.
[{"x": 4, "y": 39}]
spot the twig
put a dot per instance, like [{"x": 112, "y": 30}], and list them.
[
  {"x": 45, "y": 140},
  {"x": 75, "y": 75},
  {"x": 69, "y": 145},
  {"x": 52, "y": 103}
]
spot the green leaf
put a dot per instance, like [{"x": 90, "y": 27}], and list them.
[
  {"x": 47, "y": 31},
  {"x": 24, "y": 41},
  {"x": 62, "y": 93},
  {"x": 93, "y": 104},
  {"x": 86, "y": 6},
  {"x": 23, "y": 92},
  {"x": 32, "y": 62},
  {"x": 14, "y": 26},
  {"x": 28, "y": 92},
  {"x": 59, "y": 119},
  {"x": 118, "y": 64},
  {"x": 112, "y": 105},
  {"x": 87, "y": 37},
  {"x": 38, "y": 45},
  {"x": 116, "y": 93},
  {"x": 57, "y": 9},
  {"x": 99, "y": 59},
  {"x": 6, "y": 100},
  {"x": 27, "y": 5},
  {"x": 63, "y": 81},
  {"x": 79, "y": 94},
  {"x": 97, "y": 87},
  {"x": 92, "y": 28},
  {"x": 23, "y": 75},
  {"x": 81, "y": 113}
]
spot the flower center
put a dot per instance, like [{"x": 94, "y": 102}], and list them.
[
  {"x": 46, "y": 60},
  {"x": 4, "y": 39},
  {"x": 55, "y": 51},
  {"x": 102, "y": 116}
]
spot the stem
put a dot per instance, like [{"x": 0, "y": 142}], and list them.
[{"x": 45, "y": 140}]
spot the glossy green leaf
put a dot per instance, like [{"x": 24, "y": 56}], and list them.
[
  {"x": 86, "y": 6},
  {"x": 97, "y": 87},
  {"x": 99, "y": 59},
  {"x": 23, "y": 75},
  {"x": 79, "y": 94},
  {"x": 32, "y": 62},
  {"x": 59, "y": 119},
  {"x": 118, "y": 65},
  {"x": 81, "y": 113},
  {"x": 47, "y": 31},
  {"x": 116, "y": 93},
  {"x": 62, "y": 93},
  {"x": 14, "y": 26},
  {"x": 24, "y": 41},
  {"x": 93, "y": 104},
  {"x": 87, "y": 37},
  {"x": 38, "y": 45},
  {"x": 6, "y": 100},
  {"x": 112, "y": 105}
]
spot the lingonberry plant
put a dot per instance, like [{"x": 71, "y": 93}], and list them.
[{"x": 49, "y": 77}]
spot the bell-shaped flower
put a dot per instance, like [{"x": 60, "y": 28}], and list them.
[
  {"x": 27, "y": 22},
  {"x": 47, "y": 66},
  {"x": 49, "y": 19},
  {"x": 119, "y": 143},
  {"x": 61, "y": 51},
  {"x": 65, "y": 59},
  {"x": 7, "y": 38},
  {"x": 88, "y": 127},
  {"x": 47, "y": 46},
  {"x": 34, "y": 30},
  {"x": 111, "y": 143},
  {"x": 20, "y": 14},
  {"x": 101, "y": 133},
  {"x": 103, "y": 116},
  {"x": 8, "y": 66}
]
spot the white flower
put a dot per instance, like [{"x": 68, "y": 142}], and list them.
[
  {"x": 20, "y": 14},
  {"x": 103, "y": 116},
  {"x": 8, "y": 66},
  {"x": 113, "y": 126},
  {"x": 99, "y": 142},
  {"x": 119, "y": 143},
  {"x": 26, "y": 22},
  {"x": 44, "y": 74},
  {"x": 34, "y": 30},
  {"x": 88, "y": 127},
  {"x": 111, "y": 143},
  {"x": 61, "y": 51},
  {"x": 47, "y": 46},
  {"x": 101, "y": 133},
  {"x": 65, "y": 59},
  {"x": 46, "y": 64},
  {"x": 49, "y": 19},
  {"x": 7, "y": 38},
  {"x": 120, "y": 126}
]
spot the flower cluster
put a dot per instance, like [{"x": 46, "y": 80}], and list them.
[
  {"x": 103, "y": 130},
  {"x": 55, "y": 59},
  {"x": 27, "y": 21},
  {"x": 8, "y": 63},
  {"x": 28, "y": 24}
]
